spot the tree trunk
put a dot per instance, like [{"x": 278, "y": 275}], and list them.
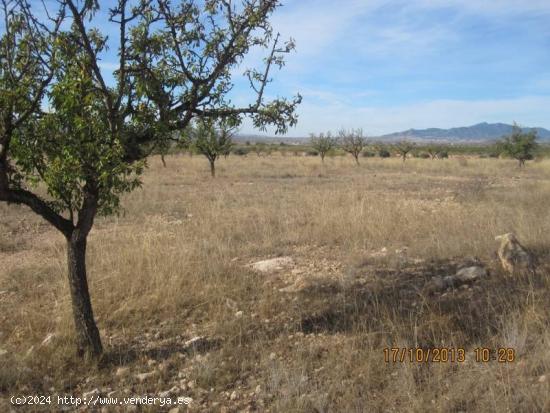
[
  {"x": 87, "y": 334},
  {"x": 212, "y": 169},
  {"x": 163, "y": 160},
  {"x": 356, "y": 156}
]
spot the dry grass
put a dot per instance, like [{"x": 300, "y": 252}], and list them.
[{"x": 174, "y": 266}]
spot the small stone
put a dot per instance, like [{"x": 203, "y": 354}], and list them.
[
  {"x": 90, "y": 394},
  {"x": 470, "y": 273},
  {"x": 197, "y": 343},
  {"x": 258, "y": 389},
  {"x": 144, "y": 376},
  {"x": 167, "y": 393},
  {"x": 234, "y": 395},
  {"x": 272, "y": 265},
  {"x": 542, "y": 379},
  {"x": 272, "y": 356},
  {"x": 239, "y": 314},
  {"x": 121, "y": 371}
]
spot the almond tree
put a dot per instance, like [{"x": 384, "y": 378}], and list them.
[
  {"x": 519, "y": 145},
  {"x": 323, "y": 144},
  {"x": 403, "y": 148},
  {"x": 212, "y": 141},
  {"x": 352, "y": 142},
  {"x": 62, "y": 125}
]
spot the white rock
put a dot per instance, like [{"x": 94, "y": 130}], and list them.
[
  {"x": 542, "y": 379},
  {"x": 234, "y": 395},
  {"x": 144, "y": 376},
  {"x": 121, "y": 371},
  {"x": 272, "y": 356},
  {"x": 167, "y": 393},
  {"x": 471, "y": 273},
  {"x": 196, "y": 343},
  {"x": 239, "y": 314},
  {"x": 273, "y": 264},
  {"x": 90, "y": 394}
]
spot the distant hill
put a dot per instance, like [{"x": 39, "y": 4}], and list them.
[{"x": 482, "y": 132}]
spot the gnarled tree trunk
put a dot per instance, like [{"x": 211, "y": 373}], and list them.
[{"x": 87, "y": 334}]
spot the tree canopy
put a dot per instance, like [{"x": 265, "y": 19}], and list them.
[
  {"x": 519, "y": 145},
  {"x": 65, "y": 124}
]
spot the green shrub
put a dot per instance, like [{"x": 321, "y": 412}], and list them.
[
  {"x": 240, "y": 151},
  {"x": 368, "y": 154},
  {"x": 384, "y": 153}
]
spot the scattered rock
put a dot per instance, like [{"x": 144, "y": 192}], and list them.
[
  {"x": 300, "y": 284},
  {"x": 234, "y": 395},
  {"x": 167, "y": 393},
  {"x": 470, "y": 274},
  {"x": 513, "y": 256},
  {"x": 198, "y": 344},
  {"x": 272, "y": 356},
  {"x": 239, "y": 314},
  {"x": 144, "y": 376},
  {"x": 272, "y": 265},
  {"x": 379, "y": 254},
  {"x": 542, "y": 379},
  {"x": 88, "y": 395},
  {"x": 121, "y": 371}
]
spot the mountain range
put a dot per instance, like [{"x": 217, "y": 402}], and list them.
[{"x": 481, "y": 132}]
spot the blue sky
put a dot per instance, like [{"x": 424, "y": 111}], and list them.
[{"x": 392, "y": 65}]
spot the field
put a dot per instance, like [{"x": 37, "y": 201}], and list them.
[{"x": 363, "y": 245}]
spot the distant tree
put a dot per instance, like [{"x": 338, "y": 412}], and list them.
[
  {"x": 240, "y": 151},
  {"x": 433, "y": 151},
  {"x": 212, "y": 139},
  {"x": 260, "y": 148},
  {"x": 352, "y": 142},
  {"x": 383, "y": 151},
  {"x": 519, "y": 145},
  {"x": 403, "y": 148},
  {"x": 322, "y": 144}
]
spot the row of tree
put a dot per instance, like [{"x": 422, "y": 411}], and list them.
[
  {"x": 214, "y": 140},
  {"x": 519, "y": 145},
  {"x": 354, "y": 142}
]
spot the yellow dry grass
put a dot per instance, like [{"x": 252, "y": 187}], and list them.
[{"x": 174, "y": 265}]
